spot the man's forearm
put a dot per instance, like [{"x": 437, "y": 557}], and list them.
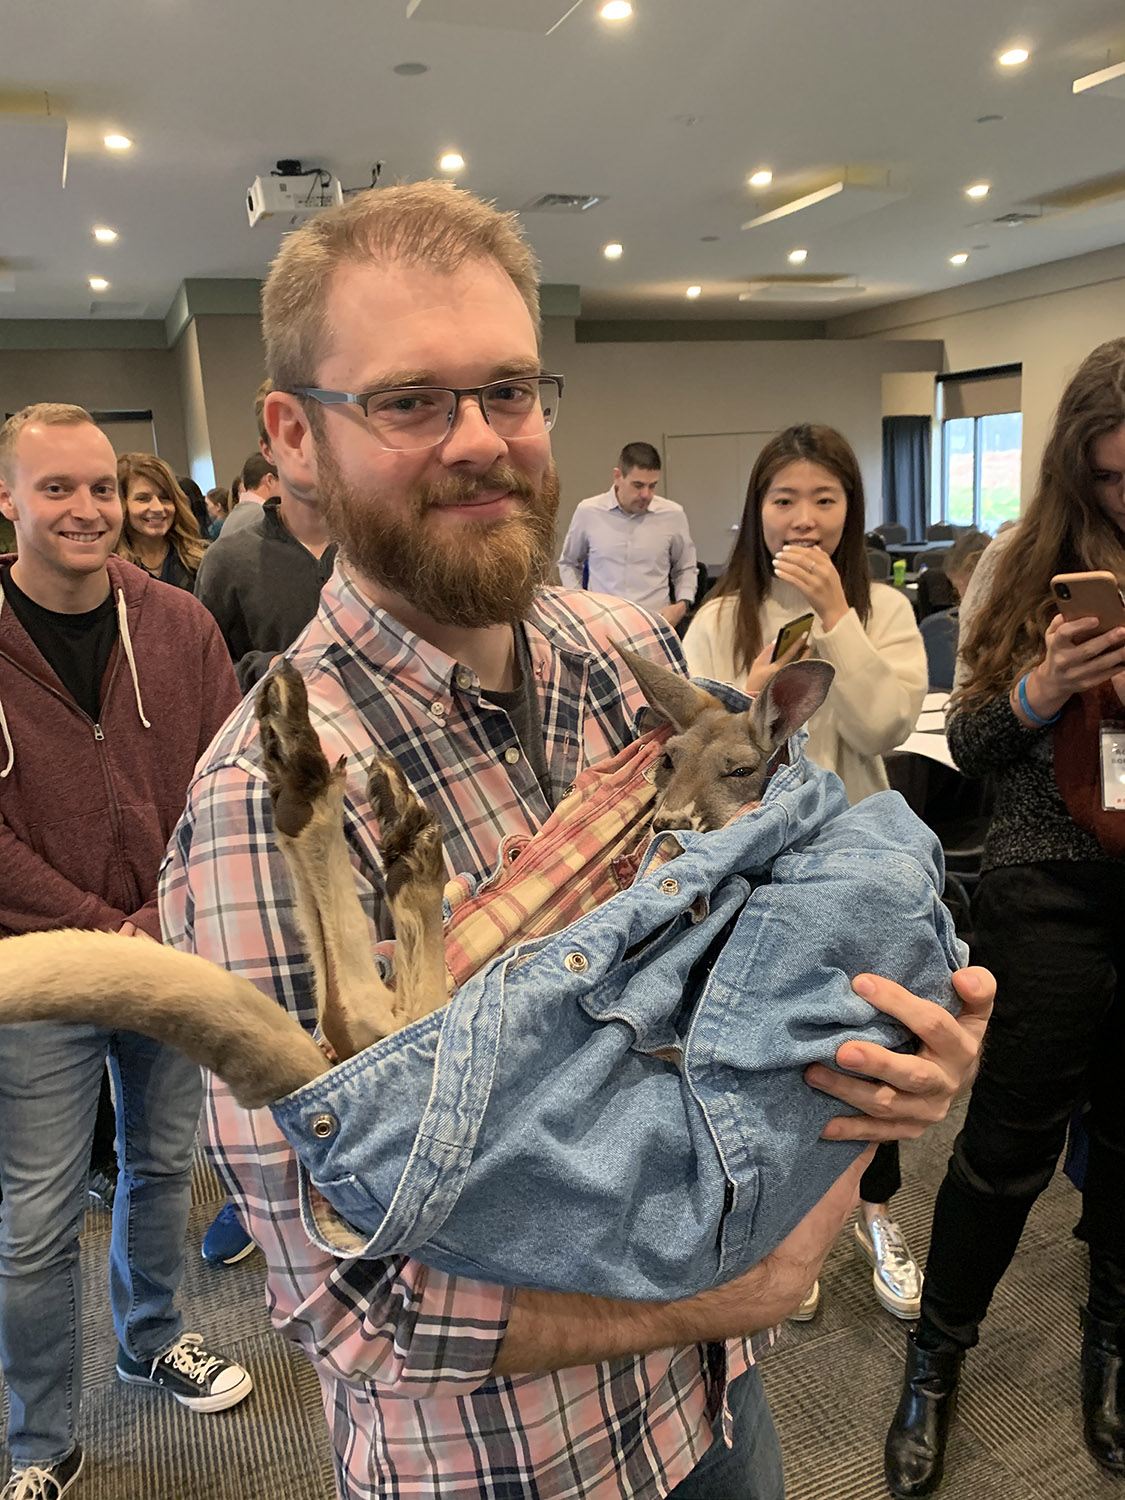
[{"x": 554, "y": 1331}]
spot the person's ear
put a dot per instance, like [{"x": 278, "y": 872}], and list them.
[
  {"x": 291, "y": 444},
  {"x": 617, "y": 475},
  {"x": 7, "y": 504}
]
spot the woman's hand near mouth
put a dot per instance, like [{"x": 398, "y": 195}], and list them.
[{"x": 814, "y": 574}]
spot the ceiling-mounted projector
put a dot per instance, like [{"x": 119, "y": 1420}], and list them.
[{"x": 291, "y": 199}]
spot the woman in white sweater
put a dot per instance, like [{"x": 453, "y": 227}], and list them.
[{"x": 800, "y": 548}]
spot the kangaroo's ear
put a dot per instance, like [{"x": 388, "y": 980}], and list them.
[
  {"x": 791, "y": 697},
  {"x": 672, "y": 696}
]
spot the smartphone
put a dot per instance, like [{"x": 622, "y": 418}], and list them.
[
  {"x": 796, "y": 630},
  {"x": 1083, "y": 594}
]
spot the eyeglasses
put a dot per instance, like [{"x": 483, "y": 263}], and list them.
[{"x": 413, "y": 417}]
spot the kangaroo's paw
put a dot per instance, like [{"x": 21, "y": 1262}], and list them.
[
  {"x": 296, "y": 769},
  {"x": 409, "y": 834}
]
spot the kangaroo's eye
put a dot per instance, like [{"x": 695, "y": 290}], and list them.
[
  {"x": 742, "y": 771},
  {"x": 666, "y": 763}
]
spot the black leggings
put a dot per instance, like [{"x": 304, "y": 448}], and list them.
[{"x": 1054, "y": 936}]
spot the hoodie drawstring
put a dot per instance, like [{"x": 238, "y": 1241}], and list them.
[
  {"x": 11, "y": 749},
  {"x": 123, "y": 627}
]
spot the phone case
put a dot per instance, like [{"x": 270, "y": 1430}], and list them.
[
  {"x": 791, "y": 631},
  {"x": 1079, "y": 595}
]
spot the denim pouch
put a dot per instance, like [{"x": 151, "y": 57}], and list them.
[{"x": 620, "y": 1108}]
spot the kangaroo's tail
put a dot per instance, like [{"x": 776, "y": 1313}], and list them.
[{"x": 217, "y": 1019}]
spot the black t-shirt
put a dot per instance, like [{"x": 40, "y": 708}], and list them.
[
  {"x": 522, "y": 707},
  {"x": 77, "y": 648}
]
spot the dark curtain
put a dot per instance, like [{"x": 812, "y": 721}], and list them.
[{"x": 906, "y": 473}]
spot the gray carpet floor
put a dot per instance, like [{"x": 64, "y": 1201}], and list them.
[{"x": 832, "y": 1382}]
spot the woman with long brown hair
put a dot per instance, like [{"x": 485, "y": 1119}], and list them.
[
  {"x": 800, "y": 549},
  {"x": 160, "y": 533},
  {"x": 1031, "y": 696}
]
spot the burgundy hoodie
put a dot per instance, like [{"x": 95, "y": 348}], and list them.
[{"x": 87, "y": 809}]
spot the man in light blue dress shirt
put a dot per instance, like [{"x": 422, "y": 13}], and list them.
[{"x": 631, "y": 542}]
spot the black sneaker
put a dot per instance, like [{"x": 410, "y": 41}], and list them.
[
  {"x": 44, "y": 1482},
  {"x": 197, "y": 1378}
]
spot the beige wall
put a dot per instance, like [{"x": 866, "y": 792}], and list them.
[
  {"x": 619, "y": 393},
  {"x": 101, "y": 379},
  {"x": 231, "y": 369},
  {"x": 1029, "y": 318},
  {"x": 909, "y": 395}
]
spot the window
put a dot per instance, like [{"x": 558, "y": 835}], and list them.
[{"x": 981, "y": 430}]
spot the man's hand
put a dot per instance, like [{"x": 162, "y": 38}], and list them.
[
  {"x": 130, "y": 929},
  {"x": 912, "y": 1090},
  {"x": 674, "y": 613}
]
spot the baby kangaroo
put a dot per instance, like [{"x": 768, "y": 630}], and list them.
[{"x": 714, "y": 763}]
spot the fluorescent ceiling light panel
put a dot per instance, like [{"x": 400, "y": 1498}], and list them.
[
  {"x": 32, "y": 155},
  {"x": 1109, "y": 82},
  {"x": 795, "y": 291},
  {"x": 835, "y": 204},
  {"x": 501, "y": 15}
]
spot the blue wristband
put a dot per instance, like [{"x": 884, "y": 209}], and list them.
[{"x": 1021, "y": 693}]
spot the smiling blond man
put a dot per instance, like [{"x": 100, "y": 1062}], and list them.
[{"x": 111, "y": 687}]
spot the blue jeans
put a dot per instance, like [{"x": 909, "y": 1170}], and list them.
[
  {"x": 50, "y": 1077},
  {"x": 751, "y": 1468}
]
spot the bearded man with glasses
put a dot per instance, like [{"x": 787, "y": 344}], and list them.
[{"x": 401, "y": 335}]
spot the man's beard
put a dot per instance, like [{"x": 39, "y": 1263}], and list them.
[{"x": 468, "y": 575}]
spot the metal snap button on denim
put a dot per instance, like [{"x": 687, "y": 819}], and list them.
[
  {"x": 669, "y": 887},
  {"x": 324, "y": 1125},
  {"x": 577, "y": 963}
]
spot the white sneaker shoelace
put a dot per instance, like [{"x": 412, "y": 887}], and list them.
[
  {"x": 189, "y": 1359},
  {"x": 32, "y": 1484}
]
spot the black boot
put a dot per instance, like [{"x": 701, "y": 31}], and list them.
[
  {"x": 1103, "y": 1393},
  {"x": 914, "y": 1456}
]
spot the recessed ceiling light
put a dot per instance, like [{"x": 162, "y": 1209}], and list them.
[
  {"x": 452, "y": 161},
  {"x": 410, "y": 69},
  {"x": 978, "y": 190},
  {"x": 959, "y": 259},
  {"x": 762, "y": 178},
  {"x": 1013, "y": 57},
  {"x": 106, "y": 236},
  {"x": 99, "y": 284},
  {"x": 693, "y": 292},
  {"x": 118, "y": 142},
  {"x": 798, "y": 257},
  {"x": 616, "y": 10},
  {"x": 613, "y": 252}
]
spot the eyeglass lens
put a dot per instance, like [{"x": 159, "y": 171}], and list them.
[{"x": 418, "y": 417}]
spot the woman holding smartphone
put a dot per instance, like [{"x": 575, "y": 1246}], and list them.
[
  {"x": 1031, "y": 694},
  {"x": 800, "y": 551}
]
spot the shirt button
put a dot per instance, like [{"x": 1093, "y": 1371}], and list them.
[
  {"x": 511, "y": 756},
  {"x": 669, "y": 887},
  {"x": 464, "y": 679},
  {"x": 577, "y": 963},
  {"x": 324, "y": 1125},
  {"x": 437, "y": 710}
]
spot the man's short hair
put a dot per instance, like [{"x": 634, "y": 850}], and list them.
[
  {"x": 259, "y": 407},
  {"x": 254, "y": 470},
  {"x": 46, "y": 414},
  {"x": 417, "y": 224},
  {"x": 638, "y": 456}
]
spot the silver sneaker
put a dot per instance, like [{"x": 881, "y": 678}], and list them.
[{"x": 896, "y": 1278}]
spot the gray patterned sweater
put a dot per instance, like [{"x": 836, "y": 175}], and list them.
[{"x": 1030, "y": 822}]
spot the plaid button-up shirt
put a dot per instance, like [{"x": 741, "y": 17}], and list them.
[{"x": 404, "y": 1352}]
